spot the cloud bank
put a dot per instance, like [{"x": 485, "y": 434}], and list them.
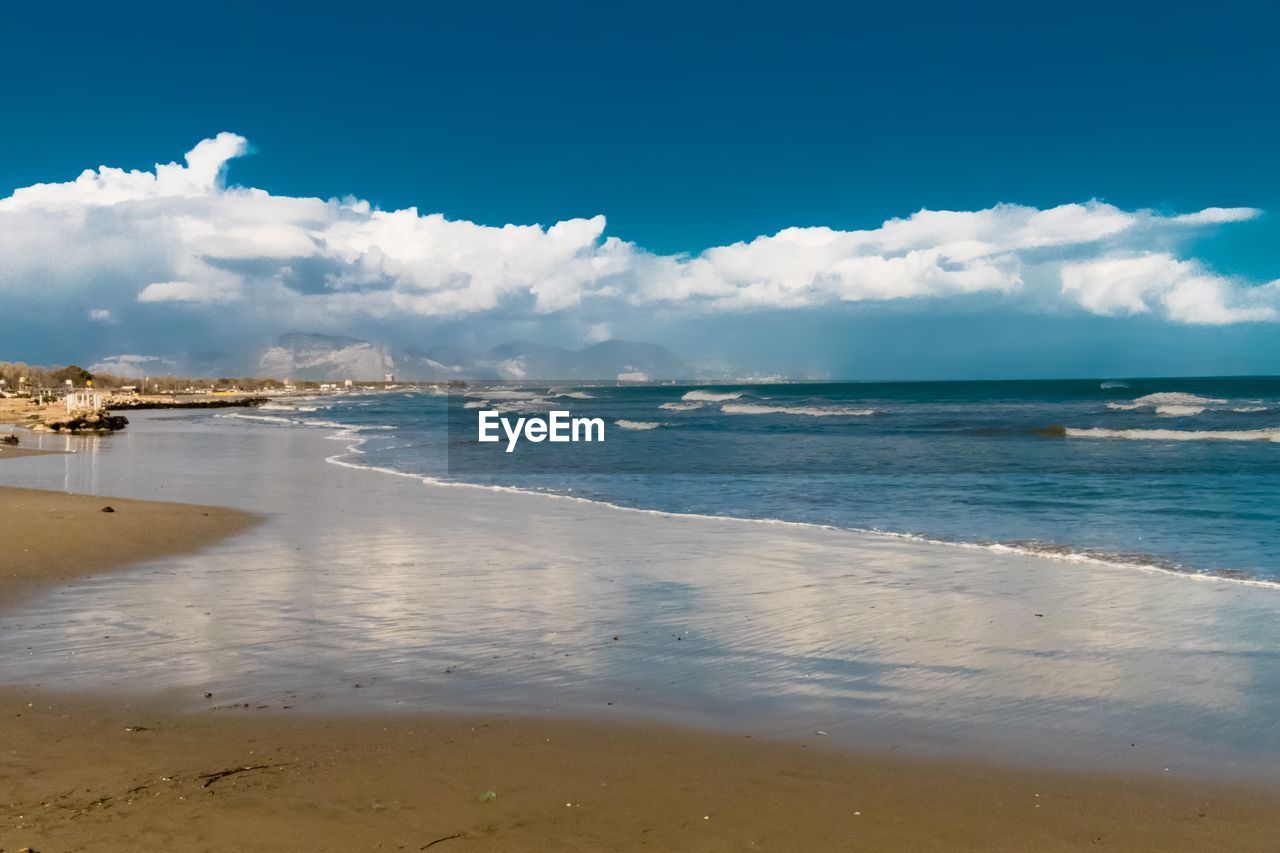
[{"x": 180, "y": 239}]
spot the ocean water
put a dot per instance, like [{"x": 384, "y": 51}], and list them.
[
  {"x": 454, "y": 598},
  {"x": 1171, "y": 474}
]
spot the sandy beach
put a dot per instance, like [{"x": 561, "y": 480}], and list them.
[
  {"x": 164, "y": 769},
  {"x": 393, "y": 783}
]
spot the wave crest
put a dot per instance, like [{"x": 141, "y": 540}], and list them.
[
  {"x": 809, "y": 411},
  {"x": 1272, "y": 434},
  {"x": 712, "y": 396}
]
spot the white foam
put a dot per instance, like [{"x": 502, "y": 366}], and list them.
[
  {"x": 626, "y": 424},
  {"x": 681, "y": 407},
  {"x": 1178, "y": 434},
  {"x": 345, "y": 429},
  {"x": 810, "y": 411},
  {"x": 1169, "y": 404},
  {"x": 1176, "y": 398},
  {"x": 1114, "y": 384},
  {"x": 285, "y": 407},
  {"x": 712, "y": 396},
  {"x": 271, "y": 419}
]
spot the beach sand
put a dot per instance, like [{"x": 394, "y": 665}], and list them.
[
  {"x": 89, "y": 773},
  {"x": 80, "y": 775},
  {"x": 50, "y": 536},
  {"x": 10, "y": 452}
]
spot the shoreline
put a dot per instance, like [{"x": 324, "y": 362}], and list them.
[
  {"x": 327, "y": 781},
  {"x": 1052, "y": 551},
  {"x": 1057, "y": 552}
]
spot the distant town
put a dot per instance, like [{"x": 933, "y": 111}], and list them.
[{"x": 71, "y": 399}]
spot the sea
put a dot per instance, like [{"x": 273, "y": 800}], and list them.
[{"x": 1166, "y": 474}]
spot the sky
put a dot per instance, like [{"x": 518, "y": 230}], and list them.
[{"x": 840, "y": 190}]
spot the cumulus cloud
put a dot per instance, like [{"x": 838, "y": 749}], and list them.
[
  {"x": 180, "y": 239},
  {"x": 1158, "y": 282},
  {"x": 133, "y": 366}
]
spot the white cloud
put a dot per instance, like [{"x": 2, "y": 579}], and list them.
[
  {"x": 1218, "y": 215},
  {"x": 1181, "y": 290},
  {"x": 106, "y": 187},
  {"x": 132, "y": 366},
  {"x": 100, "y": 315},
  {"x": 190, "y": 291},
  {"x": 178, "y": 238},
  {"x": 598, "y": 332}
]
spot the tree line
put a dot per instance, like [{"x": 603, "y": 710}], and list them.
[{"x": 19, "y": 375}]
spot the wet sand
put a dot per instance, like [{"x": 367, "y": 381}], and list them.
[
  {"x": 9, "y": 452},
  {"x": 52, "y": 536},
  {"x": 86, "y": 773}
]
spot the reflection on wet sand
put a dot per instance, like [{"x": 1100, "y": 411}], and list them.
[{"x": 365, "y": 590}]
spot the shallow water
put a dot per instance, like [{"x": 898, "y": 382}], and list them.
[
  {"x": 366, "y": 591},
  {"x": 1179, "y": 473}
]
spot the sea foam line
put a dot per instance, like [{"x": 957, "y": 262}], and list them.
[
  {"x": 992, "y": 547},
  {"x": 809, "y": 411},
  {"x": 1272, "y": 434},
  {"x": 706, "y": 396}
]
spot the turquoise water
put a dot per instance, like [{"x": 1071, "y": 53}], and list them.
[{"x": 1181, "y": 474}]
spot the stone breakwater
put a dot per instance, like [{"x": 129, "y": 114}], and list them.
[
  {"x": 82, "y": 421},
  {"x": 235, "y": 403}
]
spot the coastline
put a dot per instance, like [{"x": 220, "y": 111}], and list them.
[{"x": 351, "y": 781}]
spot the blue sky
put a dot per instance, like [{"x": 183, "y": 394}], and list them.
[{"x": 688, "y": 127}]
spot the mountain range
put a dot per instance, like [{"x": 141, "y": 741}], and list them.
[{"x": 329, "y": 357}]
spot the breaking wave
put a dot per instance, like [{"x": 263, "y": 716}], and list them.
[
  {"x": 712, "y": 396},
  {"x": 681, "y": 407},
  {"x": 1272, "y": 434},
  {"x": 1169, "y": 404},
  {"x": 810, "y": 411},
  {"x": 626, "y": 424}
]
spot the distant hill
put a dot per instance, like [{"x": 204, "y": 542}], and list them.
[
  {"x": 328, "y": 357},
  {"x": 302, "y": 356}
]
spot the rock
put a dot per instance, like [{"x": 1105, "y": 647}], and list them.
[
  {"x": 108, "y": 509},
  {"x": 88, "y": 421}
]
